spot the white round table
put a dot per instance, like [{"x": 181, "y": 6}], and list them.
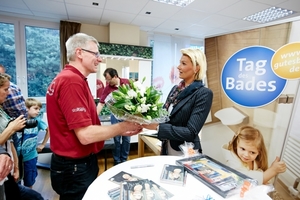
[{"x": 193, "y": 189}]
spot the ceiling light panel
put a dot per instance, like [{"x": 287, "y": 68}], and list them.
[
  {"x": 180, "y": 3},
  {"x": 268, "y": 15}
]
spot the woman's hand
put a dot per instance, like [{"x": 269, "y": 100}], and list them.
[
  {"x": 6, "y": 165},
  {"x": 16, "y": 173},
  {"x": 17, "y": 124},
  {"x": 152, "y": 126}
]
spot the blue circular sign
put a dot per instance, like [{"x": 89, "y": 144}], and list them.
[{"x": 248, "y": 79}]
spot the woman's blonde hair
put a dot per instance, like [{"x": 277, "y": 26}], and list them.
[
  {"x": 4, "y": 78},
  {"x": 251, "y": 134},
  {"x": 198, "y": 58}
]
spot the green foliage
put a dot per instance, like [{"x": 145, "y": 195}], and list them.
[
  {"x": 105, "y": 111},
  {"x": 7, "y": 49},
  {"x": 43, "y": 59},
  {"x": 126, "y": 50},
  {"x": 42, "y": 56}
]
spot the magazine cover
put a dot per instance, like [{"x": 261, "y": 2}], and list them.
[
  {"x": 143, "y": 189},
  {"x": 114, "y": 193},
  {"x": 123, "y": 176},
  {"x": 131, "y": 190},
  {"x": 160, "y": 192},
  {"x": 173, "y": 174},
  {"x": 217, "y": 176}
]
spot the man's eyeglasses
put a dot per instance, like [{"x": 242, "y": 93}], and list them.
[
  {"x": 96, "y": 54},
  {"x": 108, "y": 80}
]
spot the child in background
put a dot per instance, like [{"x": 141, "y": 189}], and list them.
[
  {"x": 29, "y": 148},
  {"x": 246, "y": 152}
]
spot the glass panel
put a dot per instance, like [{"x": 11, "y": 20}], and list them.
[
  {"x": 43, "y": 58},
  {"x": 7, "y": 49}
]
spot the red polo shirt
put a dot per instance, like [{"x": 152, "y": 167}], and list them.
[
  {"x": 100, "y": 88},
  {"x": 108, "y": 89},
  {"x": 70, "y": 105}
]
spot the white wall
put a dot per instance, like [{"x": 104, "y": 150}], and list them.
[
  {"x": 92, "y": 84},
  {"x": 145, "y": 71}
]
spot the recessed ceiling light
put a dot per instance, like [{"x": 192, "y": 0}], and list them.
[
  {"x": 269, "y": 15},
  {"x": 95, "y": 4},
  {"x": 148, "y": 13},
  {"x": 180, "y": 3}
]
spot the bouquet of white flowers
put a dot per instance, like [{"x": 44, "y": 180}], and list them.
[{"x": 137, "y": 103}]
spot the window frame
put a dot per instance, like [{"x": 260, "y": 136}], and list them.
[{"x": 20, "y": 48}]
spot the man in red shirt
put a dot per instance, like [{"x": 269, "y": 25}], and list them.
[
  {"x": 100, "y": 88},
  {"x": 122, "y": 148},
  {"x": 75, "y": 130}
]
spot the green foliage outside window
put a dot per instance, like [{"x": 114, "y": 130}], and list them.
[
  {"x": 125, "y": 50},
  {"x": 42, "y": 56},
  {"x": 7, "y": 49}
]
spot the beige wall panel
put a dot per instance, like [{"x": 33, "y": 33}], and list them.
[
  {"x": 118, "y": 33},
  {"x": 99, "y": 32},
  {"x": 143, "y": 38},
  {"x": 134, "y": 66},
  {"x": 213, "y": 74},
  {"x": 124, "y": 34}
]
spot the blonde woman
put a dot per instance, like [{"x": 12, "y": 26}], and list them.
[
  {"x": 188, "y": 103},
  {"x": 8, "y": 127}
]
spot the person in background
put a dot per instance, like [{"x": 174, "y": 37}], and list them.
[
  {"x": 74, "y": 126},
  {"x": 28, "y": 147},
  {"x": 14, "y": 104},
  {"x": 122, "y": 143},
  {"x": 188, "y": 103},
  {"x": 100, "y": 88},
  {"x": 246, "y": 152},
  {"x": 8, "y": 127}
]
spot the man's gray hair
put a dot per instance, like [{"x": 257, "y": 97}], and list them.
[{"x": 78, "y": 40}]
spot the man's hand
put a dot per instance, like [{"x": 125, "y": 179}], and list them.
[
  {"x": 131, "y": 133},
  {"x": 130, "y": 128}
]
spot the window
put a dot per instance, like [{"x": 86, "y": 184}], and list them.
[
  {"x": 197, "y": 47},
  {"x": 43, "y": 58},
  {"x": 7, "y": 49},
  {"x": 30, "y": 51}
]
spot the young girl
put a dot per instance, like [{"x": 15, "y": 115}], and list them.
[{"x": 246, "y": 152}]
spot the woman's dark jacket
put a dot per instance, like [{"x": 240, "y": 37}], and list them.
[{"x": 187, "y": 117}]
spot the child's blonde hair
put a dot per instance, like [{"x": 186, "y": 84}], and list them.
[
  {"x": 32, "y": 102},
  {"x": 251, "y": 134}
]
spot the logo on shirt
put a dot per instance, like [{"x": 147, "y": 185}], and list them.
[
  {"x": 50, "y": 90},
  {"x": 79, "y": 109}
]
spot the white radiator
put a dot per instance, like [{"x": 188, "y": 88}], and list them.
[{"x": 291, "y": 155}]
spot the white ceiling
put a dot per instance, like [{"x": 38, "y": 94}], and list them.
[{"x": 200, "y": 19}]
